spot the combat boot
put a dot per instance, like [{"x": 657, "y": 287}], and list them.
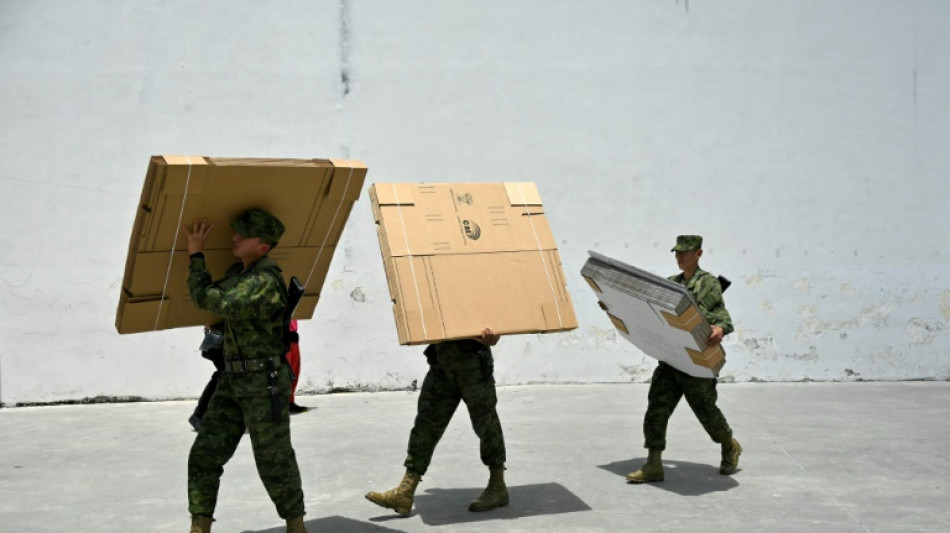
[
  {"x": 295, "y": 525},
  {"x": 730, "y": 457},
  {"x": 400, "y": 498},
  {"x": 651, "y": 471},
  {"x": 200, "y": 524},
  {"x": 494, "y": 495}
]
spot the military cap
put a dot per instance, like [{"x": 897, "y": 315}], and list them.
[
  {"x": 258, "y": 223},
  {"x": 685, "y": 243}
]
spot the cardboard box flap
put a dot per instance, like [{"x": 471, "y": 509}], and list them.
[
  {"x": 393, "y": 193},
  {"x": 524, "y": 196}
]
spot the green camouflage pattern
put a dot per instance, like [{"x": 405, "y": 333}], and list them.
[
  {"x": 455, "y": 375},
  {"x": 707, "y": 291},
  {"x": 218, "y": 436},
  {"x": 685, "y": 243},
  {"x": 666, "y": 388},
  {"x": 258, "y": 223},
  {"x": 669, "y": 385},
  {"x": 252, "y": 302}
]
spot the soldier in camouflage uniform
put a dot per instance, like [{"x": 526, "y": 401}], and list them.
[
  {"x": 253, "y": 391},
  {"x": 460, "y": 370},
  {"x": 669, "y": 384}
]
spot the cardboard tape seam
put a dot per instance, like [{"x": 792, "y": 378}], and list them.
[
  {"x": 544, "y": 263},
  {"x": 330, "y": 227},
  {"x": 171, "y": 256},
  {"x": 412, "y": 267}
]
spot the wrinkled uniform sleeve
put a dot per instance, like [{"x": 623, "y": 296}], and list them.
[
  {"x": 255, "y": 295},
  {"x": 708, "y": 293}
]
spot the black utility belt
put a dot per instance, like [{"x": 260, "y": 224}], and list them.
[{"x": 261, "y": 364}]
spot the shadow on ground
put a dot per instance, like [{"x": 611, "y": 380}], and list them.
[
  {"x": 336, "y": 524},
  {"x": 681, "y": 477},
  {"x": 438, "y": 507}
]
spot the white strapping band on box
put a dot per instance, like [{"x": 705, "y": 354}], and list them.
[
  {"x": 330, "y": 227},
  {"x": 544, "y": 263},
  {"x": 412, "y": 268},
  {"x": 171, "y": 256}
]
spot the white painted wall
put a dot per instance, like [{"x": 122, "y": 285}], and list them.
[{"x": 807, "y": 141}]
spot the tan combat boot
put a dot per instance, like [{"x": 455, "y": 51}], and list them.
[
  {"x": 200, "y": 524},
  {"x": 651, "y": 471},
  {"x": 494, "y": 495},
  {"x": 400, "y": 498},
  {"x": 295, "y": 525},
  {"x": 730, "y": 457}
]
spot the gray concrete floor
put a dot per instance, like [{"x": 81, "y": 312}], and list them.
[{"x": 819, "y": 457}]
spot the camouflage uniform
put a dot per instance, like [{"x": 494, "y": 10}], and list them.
[
  {"x": 459, "y": 370},
  {"x": 669, "y": 384},
  {"x": 252, "y": 302}
]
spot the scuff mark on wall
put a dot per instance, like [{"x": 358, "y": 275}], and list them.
[
  {"x": 766, "y": 307},
  {"x": 345, "y": 22},
  {"x": 761, "y": 347},
  {"x": 802, "y": 285},
  {"x": 812, "y": 355},
  {"x": 812, "y": 326},
  {"x": 846, "y": 288},
  {"x": 921, "y": 331},
  {"x": 358, "y": 295},
  {"x": 601, "y": 336},
  {"x": 753, "y": 281},
  {"x": 945, "y": 304}
]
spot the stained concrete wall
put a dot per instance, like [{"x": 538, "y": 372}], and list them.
[{"x": 805, "y": 140}]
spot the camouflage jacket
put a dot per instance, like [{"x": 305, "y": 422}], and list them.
[
  {"x": 707, "y": 292},
  {"x": 252, "y": 303}
]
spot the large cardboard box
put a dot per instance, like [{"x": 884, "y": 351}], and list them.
[
  {"x": 312, "y": 197},
  {"x": 463, "y": 256},
  {"x": 658, "y": 316}
]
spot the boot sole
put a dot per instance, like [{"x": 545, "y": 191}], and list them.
[
  {"x": 641, "y": 481},
  {"x": 482, "y": 510},
  {"x": 401, "y": 512}
]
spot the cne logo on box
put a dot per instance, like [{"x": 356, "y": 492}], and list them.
[
  {"x": 464, "y": 198},
  {"x": 472, "y": 231}
]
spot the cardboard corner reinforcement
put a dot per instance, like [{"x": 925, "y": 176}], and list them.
[
  {"x": 460, "y": 257},
  {"x": 312, "y": 197}
]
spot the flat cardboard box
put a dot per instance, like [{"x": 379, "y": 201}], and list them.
[
  {"x": 462, "y": 256},
  {"x": 312, "y": 197},
  {"x": 656, "y": 315}
]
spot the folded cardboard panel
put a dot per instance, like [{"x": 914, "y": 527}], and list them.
[
  {"x": 312, "y": 197},
  {"x": 656, "y": 315},
  {"x": 460, "y": 257}
]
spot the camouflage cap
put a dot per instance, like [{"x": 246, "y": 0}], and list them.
[
  {"x": 258, "y": 223},
  {"x": 685, "y": 243}
]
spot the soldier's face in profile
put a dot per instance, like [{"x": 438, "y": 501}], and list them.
[
  {"x": 688, "y": 260},
  {"x": 248, "y": 247}
]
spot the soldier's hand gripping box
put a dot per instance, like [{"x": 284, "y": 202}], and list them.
[
  {"x": 657, "y": 315},
  {"x": 312, "y": 197},
  {"x": 460, "y": 257}
]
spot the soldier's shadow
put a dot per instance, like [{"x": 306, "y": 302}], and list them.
[
  {"x": 438, "y": 507},
  {"x": 681, "y": 477},
  {"x": 337, "y": 524}
]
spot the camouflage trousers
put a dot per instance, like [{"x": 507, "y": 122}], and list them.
[
  {"x": 221, "y": 429},
  {"x": 666, "y": 389},
  {"x": 442, "y": 390}
]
